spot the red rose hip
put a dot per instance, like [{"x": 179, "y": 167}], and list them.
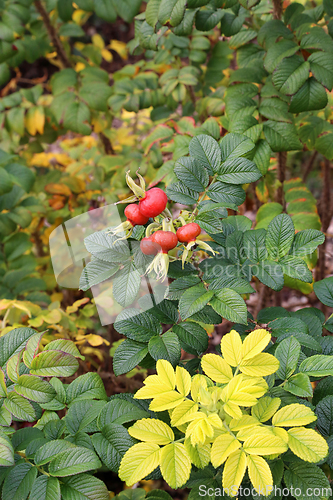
[
  {"x": 189, "y": 232},
  {"x": 167, "y": 240},
  {"x": 149, "y": 247},
  {"x": 153, "y": 203},
  {"x": 134, "y": 215}
]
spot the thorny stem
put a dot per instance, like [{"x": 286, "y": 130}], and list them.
[
  {"x": 277, "y": 9},
  {"x": 281, "y": 174},
  {"x": 309, "y": 165},
  {"x": 325, "y": 213},
  {"x": 53, "y": 34}
]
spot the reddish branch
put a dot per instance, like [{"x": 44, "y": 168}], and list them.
[
  {"x": 53, "y": 34},
  {"x": 281, "y": 174},
  {"x": 325, "y": 212}
]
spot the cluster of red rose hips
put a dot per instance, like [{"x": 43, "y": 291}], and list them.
[{"x": 158, "y": 242}]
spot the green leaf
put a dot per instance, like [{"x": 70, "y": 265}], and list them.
[
  {"x": 275, "y": 109},
  {"x": 128, "y": 355},
  {"x": 65, "y": 9},
  {"x": 226, "y": 193},
  {"x": 318, "y": 366},
  {"x": 151, "y": 12},
  {"x": 87, "y": 386},
  {"x": 324, "y": 291},
  {"x": 238, "y": 171},
  {"x": 192, "y": 337},
  {"x": 310, "y": 96},
  {"x": 126, "y": 284},
  {"x": 74, "y": 461},
  {"x": 166, "y": 346},
  {"x": 287, "y": 353},
  {"x": 324, "y": 412},
  {"x": 19, "y": 482},
  {"x": 120, "y": 411},
  {"x": 137, "y": 325},
  {"x": 269, "y": 273},
  {"x": 280, "y": 236},
  {"x": 291, "y": 74},
  {"x": 6, "y": 452},
  {"x": 207, "y": 151},
  {"x": 46, "y": 488},
  {"x": 180, "y": 193},
  {"x": 230, "y": 306},
  {"x": 64, "y": 345},
  {"x": 206, "y": 20},
  {"x": 50, "y": 450},
  {"x": 105, "y": 10},
  {"x": 299, "y": 385},
  {"x": 171, "y": 11},
  {"x": 82, "y": 416},
  {"x": 112, "y": 444},
  {"x": 191, "y": 173},
  {"x": 235, "y": 145},
  {"x": 304, "y": 477},
  {"x": 13, "y": 342},
  {"x": 6, "y": 184},
  {"x": 106, "y": 247},
  {"x": 317, "y": 38},
  {"x": 95, "y": 95},
  {"x": 63, "y": 80},
  {"x": 262, "y": 156},
  {"x": 77, "y": 118},
  {"x": 193, "y": 300},
  {"x": 254, "y": 244},
  {"x": 281, "y": 136},
  {"x": 296, "y": 268},
  {"x": 54, "y": 364},
  {"x": 180, "y": 285},
  {"x": 85, "y": 487},
  {"x": 35, "y": 389},
  {"x": 278, "y": 51},
  {"x": 306, "y": 242},
  {"x": 321, "y": 65},
  {"x": 19, "y": 407}
]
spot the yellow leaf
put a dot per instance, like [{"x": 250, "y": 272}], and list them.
[
  {"x": 293, "y": 415},
  {"x": 200, "y": 429},
  {"x": 182, "y": 413},
  {"x": 198, "y": 381},
  {"x": 150, "y": 391},
  {"x": 152, "y": 430},
  {"x": 243, "y": 434},
  {"x": 216, "y": 368},
  {"x": 234, "y": 471},
  {"x": 264, "y": 445},
  {"x": 120, "y": 48},
  {"x": 98, "y": 41},
  {"x": 166, "y": 401},
  {"x": 139, "y": 461},
  {"x": 266, "y": 408},
  {"x": 222, "y": 447},
  {"x": 35, "y": 120},
  {"x": 260, "y": 365},
  {"x": 260, "y": 474},
  {"x": 243, "y": 423},
  {"x": 166, "y": 373},
  {"x": 79, "y": 67},
  {"x": 183, "y": 381},
  {"x": 282, "y": 433},
  {"x": 96, "y": 340},
  {"x": 75, "y": 306},
  {"x": 231, "y": 347},
  {"x": 233, "y": 410},
  {"x": 106, "y": 54},
  {"x": 307, "y": 444},
  {"x": 175, "y": 465},
  {"x": 254, "y": 343},
  {"x": 199, "y": 454}
]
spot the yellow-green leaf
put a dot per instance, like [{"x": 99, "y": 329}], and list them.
[
  {"x": 175, "y": 465},
  {"x": 166, "y": 401},
  {"x": 234, "y": 471},
  {"x": 307, "y": 444},
  {"x": 264, "y": 445},
  {"x": 260, "y": 474},
  {"x": 255, "y": 343},
  {"x": 231, "y": 347},
  {"x": 293, "y": 415},
  {"x": 183, "y": 381},
  {"x": 152, "y": 430},
  {"x": 260, "y": 365},
  {"x": 266, "y": 408},
  {"x": 166, "y": 373},
  {"x": 139, "y": 461},
  {"x": 182, "y": 413},
  {"x": 216, "y": 368},
  {"x": 222, "y": 448},
  {"x": 199, "y": 454}
]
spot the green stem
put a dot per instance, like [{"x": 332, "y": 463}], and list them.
[{"x": 202, "y": 197}]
